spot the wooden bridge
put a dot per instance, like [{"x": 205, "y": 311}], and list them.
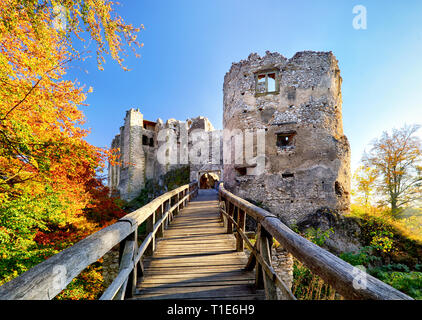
[
  {"x": 197, "y": 259},
  {"x": 194, "y": 249}
]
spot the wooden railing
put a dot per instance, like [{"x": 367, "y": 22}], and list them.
[
  {"x": 350, "y": 282},
  {"x": 49, "y": 278}
]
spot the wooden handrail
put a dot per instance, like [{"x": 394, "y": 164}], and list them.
[
  {"x": 268, "y": 269},
  {"x": 47, "y": 279},
  {"x": 350, "y": 282},
  {"x": 119, "y": 281}
]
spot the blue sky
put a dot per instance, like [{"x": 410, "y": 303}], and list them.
[{"x": 190, "y": 45}]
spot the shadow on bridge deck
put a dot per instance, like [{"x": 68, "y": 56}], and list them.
[{"x": 197, "y": 259}]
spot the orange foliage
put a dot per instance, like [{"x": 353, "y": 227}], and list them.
[{"x": 50, "y": 195}]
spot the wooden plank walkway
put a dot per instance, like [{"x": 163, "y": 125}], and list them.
[{"x": 197, "y": 259}]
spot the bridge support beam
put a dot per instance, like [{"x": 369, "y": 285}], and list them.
[
  {"x": 230, "y": 210},
  {"x": 159, "y": 214},
  {"x": 150, "y": 228},
  {"x": 265, "y": 244},
  {"x": 126, "y": 254},
  {"x": 241, "y": 216}
]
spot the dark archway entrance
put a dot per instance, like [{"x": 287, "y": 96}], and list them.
[{"x": 208, "y": 180}]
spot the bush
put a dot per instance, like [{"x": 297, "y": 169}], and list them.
[
  {"x": 87, "y": 286},
  {"x": 306, "y": 285},
  {"x": 407, "y": 282},
  {"x": 364, "y": 257},
  {"x": 317, "y": 236}
]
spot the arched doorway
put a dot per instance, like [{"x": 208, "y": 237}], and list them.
[{"x": 208, "y": 180}]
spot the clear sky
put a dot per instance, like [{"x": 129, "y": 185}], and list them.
[{"x": 190, "y": 45}]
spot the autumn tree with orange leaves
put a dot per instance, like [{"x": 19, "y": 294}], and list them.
[{"x": 48, "y": 171}]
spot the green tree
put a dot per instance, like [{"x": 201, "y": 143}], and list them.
[
  {"x": 364, "y": 184},
  {"x": 396, "y": 160}
]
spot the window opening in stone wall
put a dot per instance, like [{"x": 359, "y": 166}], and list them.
[
  {"x": 338, "y": 189},
  {"x": 260, "y": 84},
  {"x": 288, "y": 175},
  {"x": 145, "y": 140},
  {"x": 285, "y": 140},
  {"x": 151, "y": 142},
  {"x": 266, "y": 82},
  {"x": 241, "y": 171},
  {"x": 271, "y": 82}
]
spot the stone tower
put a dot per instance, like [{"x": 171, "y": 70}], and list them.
[
  {"x": 297, "y": 103},
  {"x": 129, "y": 178}
]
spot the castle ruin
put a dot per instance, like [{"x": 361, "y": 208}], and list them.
[
  {"x": 297, "y": 103},
  {"x": 142, "y": 143},
  {"x": 300, "y": 165},
  {"x": 282, "y": 146}
]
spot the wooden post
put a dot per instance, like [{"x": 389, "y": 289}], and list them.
[
  {"x": 241, "y": 215},
  {"x": 133, "y": 276},
  {"x": 265, "y": 244},
  {"x": 164, "y": 209},
  {"x": 174, "y": 212},
  {"x": 140, "y": 269},
  {"x": 179, "y": 206},
  {"x": 230, "y": 209},
  {"x": 139, "y": 266},
  {"x": 159, "y": 214},
  {"x": 167, "y": 206},
  {"x": 127, "y": 251},
  {"x": 259, "y": 280},
  {"x": 222, "y": 205},
  {"x": 150, "y": 228},
  {"x": 187, "y": 191}
]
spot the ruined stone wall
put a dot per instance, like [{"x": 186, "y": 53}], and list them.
[
  {"x": 306, "y": 182},
  {"x": 314, "y": 171},
  {"x": 296, "y": 105},
  {"x": 130, "y": 175},
  {"x": 150, "y": 151},
  {"x": 209, "y": 145}
]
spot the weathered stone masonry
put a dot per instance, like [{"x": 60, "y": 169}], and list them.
[
  {"x": 298, "y": 103},
  {"x": 140, "y": 145},
  {"x": 306, "y": 181},
  {"x": 311, "y": 171}
]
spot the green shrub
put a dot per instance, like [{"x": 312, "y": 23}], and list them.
[
  {"x": 317, "y": 236},
  {"x": 306, "y": 285},
  {"x": 364, "y": 257},
  {"x": 407, "y": 282}
]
